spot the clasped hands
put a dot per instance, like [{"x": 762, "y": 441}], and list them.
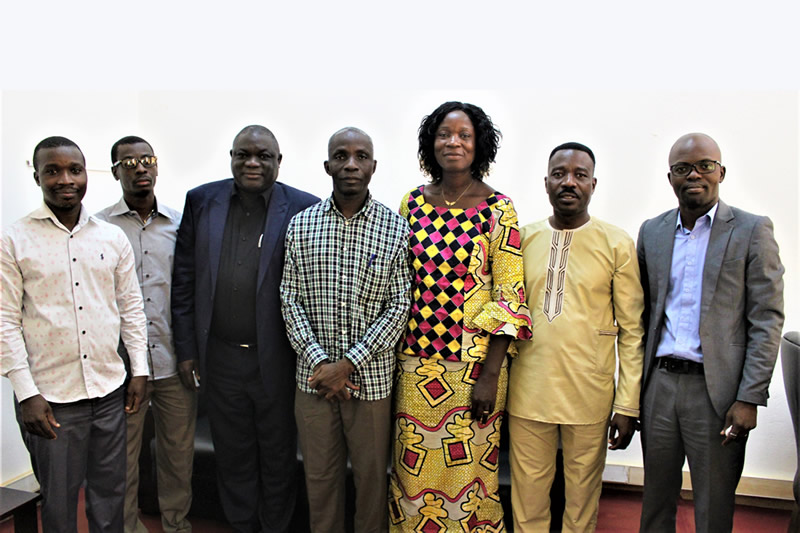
[{"x": 332, "y": 380}]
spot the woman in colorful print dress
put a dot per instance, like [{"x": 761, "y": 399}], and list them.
[{"x": 468, "y": 305}]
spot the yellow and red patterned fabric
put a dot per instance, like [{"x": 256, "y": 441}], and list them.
[{"x": 468, "y": 285}]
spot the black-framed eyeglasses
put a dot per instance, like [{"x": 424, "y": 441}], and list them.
[
  {"x": 706, "y": 166},
  {"x": 147, "y": 161}
]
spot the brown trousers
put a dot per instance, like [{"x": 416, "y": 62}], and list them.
[
  {"x": 328, "y": 433},
  {"x": 174, "y": 412}
]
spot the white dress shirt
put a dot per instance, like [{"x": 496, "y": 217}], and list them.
[{"x": 66, "y": 298}]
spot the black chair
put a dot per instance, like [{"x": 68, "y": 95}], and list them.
[
  {"x": 205, "y": 497},
  {"x": 790, "y": 363}
]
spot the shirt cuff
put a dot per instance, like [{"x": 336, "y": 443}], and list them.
[
  {"x": 358, "y": 355},
  {"x": 619, "y": 409},
  {"x": 139, "y": 366},
  {"x": 23, "y": 384},
  {"x": 314, "y": 355}
]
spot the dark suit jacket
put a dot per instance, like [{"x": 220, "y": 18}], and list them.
[
  {"x": 741, "y": 310},
  {"x": 194, "y": 279}
]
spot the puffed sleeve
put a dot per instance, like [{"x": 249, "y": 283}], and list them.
[{"x": 507, "y": 312}]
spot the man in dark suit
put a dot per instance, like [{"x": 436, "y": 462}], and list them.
[
  {"x": 713, "y": 285},
  {"x": 229, "y": 330}
]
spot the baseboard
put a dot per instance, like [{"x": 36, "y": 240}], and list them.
[
  {"x": 749, "y": 487},
  {"x": 26, "y": 482},
  {"x": 749, "y": 491}
]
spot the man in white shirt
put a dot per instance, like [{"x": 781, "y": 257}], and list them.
[
  {"x": 69, "y": 291},
  {"x": 151, "y": 228}
]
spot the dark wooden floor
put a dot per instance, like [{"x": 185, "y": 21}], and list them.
[{"x": 619, "y": 513}]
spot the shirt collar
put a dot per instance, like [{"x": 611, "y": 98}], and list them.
[
  {"x": 264, "y": 194},
  {"x": 45, "y": 212},
  {"x": 366, "y": 209},
  {"x": 710, "y": 214},
  {"x": 121, "y": 208}
]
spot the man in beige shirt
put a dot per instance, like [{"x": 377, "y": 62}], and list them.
[
  {"x": 582, "y": 280},
  {"x": 152, "y": 227}
]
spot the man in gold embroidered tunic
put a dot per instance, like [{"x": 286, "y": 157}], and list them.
[{"x": 586, "y": 301}]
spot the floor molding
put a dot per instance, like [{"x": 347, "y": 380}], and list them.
[
  {"x": 749, "y": 487},
  {"x": 26, "y": 482}
]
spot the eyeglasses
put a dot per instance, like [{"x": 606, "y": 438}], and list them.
[
  {"x": 706, "y": 166},
  {"x": 147, "y": 161}
]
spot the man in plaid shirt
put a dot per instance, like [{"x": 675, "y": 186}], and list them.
[{"x": 345, "y": 301}]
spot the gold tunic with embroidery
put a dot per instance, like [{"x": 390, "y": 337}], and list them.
[{"x": 586, "y": 302}]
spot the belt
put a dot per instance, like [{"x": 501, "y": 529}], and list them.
[{"x": 676, "y": 365}]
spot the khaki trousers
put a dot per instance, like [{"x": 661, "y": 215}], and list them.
[
  {"x": 175, "y": 413},
  {"x": 329, "y": 432},
  {"x": 533, "y": 463}
]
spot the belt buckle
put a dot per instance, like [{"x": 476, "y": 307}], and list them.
[
  {"x": 245, "y": 346},
  {"x": 675, "y": 366}
]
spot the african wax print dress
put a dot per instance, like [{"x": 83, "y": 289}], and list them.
[{"x": 468, "y": 285}]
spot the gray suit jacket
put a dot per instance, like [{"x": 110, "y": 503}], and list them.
[{"x": 741, "y": 310}]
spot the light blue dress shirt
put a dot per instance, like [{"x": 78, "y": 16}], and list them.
[{"x": 681, "y": 336}]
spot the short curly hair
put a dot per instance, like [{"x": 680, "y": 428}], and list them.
[{"x": 487, "y": 140}]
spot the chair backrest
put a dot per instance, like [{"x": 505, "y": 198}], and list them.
[{"x": 790, "y": 364}]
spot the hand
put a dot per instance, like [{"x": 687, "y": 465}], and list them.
[
  {"x": 136, "y": 388},
  {"x": 620, "y": 431},
  {"x": 37, "y": 417},
  {"x": 332, "y": 380},
  {"x": 187, "y": 373},
  {"x": 740, "y": 418},
  {"x": 484, "y": 395}
]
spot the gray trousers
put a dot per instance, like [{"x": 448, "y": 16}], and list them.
[
  {"x": 680, "y": 422},
  {"x": 327, "y": 432},
  {"x": 90, "y": 447}
]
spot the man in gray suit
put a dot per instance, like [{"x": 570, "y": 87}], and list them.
[{"x": 713, "y": 285}]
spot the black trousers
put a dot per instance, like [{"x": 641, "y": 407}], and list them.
[{"x": 255, "y": 440}]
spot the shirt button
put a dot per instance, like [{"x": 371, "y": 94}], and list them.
[
  {"x": 71, "y": 236},
  {"x": 148, "y": 299},
  {"x": 83, "y": 332},
  {"x": 244, "y": 238},
  {"x": 151, "y": 322},
  {"x": 84, "y": 356},
  {"x": 77, "y": 283},
  {"x": 73, "y": 259},
  {"x": 145, "y": 252},
  {"x": 147, "y": 275},
  {"x": 80, "y": 308}
]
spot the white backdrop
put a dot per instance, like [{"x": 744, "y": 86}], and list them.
[{"x": 630, "y": 132}]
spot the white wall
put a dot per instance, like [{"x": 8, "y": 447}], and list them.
[{"x": 630, "y": 131}]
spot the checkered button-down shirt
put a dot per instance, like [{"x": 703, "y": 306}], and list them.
[{"x": 345, "y": 292}]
